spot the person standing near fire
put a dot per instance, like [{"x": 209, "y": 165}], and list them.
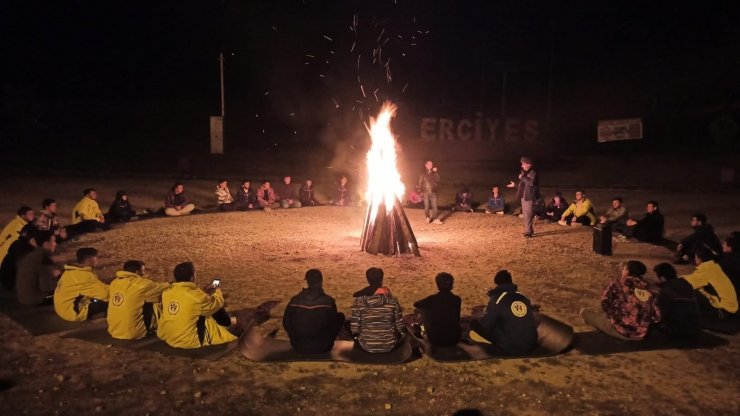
[
  {"x": 428, "y": 183},
  {"x": 528, "y": 191}
]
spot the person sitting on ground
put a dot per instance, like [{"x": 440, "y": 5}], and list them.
[
  {"x": 508, "y": 322},
  {"x": 80, "y": 294},
  {"x": 87, "y": 216},
  {"x": 12, "y": 230},
  {"x": 374, "y": 276},
  {"x": 440, "y": 313},
  {"x": 730, "y": 260},
  {"x": 37, "y": 275},
  {"x": 48, "y": 220},
  {"x": 717, "y": 296},
  {"x": 342, "y": 195},
  {"x": 223, "y": 196},
  {"x": 311, "y": 318},
  {"x": 580, "y": 212},
  {"x": 703, "y": 235},
  {"x": 628, "y": 307},
  {"x": 496, "y": 203},
  {"x": 555, "y": 208},
  {"x": 246, "y": 198},
  {"x": 463, "y": 201},
  {"x": 679, "y": 309},
  {"x": 266, "y": 197},
  {"x": 650, "y": 228},
  {"x": 415, "y": 199},
  {"x": 193, "y": 317},
  {"x": 176, "y": 204},
  {"x": 307, "y": 195},
  {"x": 19, "y": 249},
  {"x": 135, "y": 302},
  {"x": 616, "y": 216},
  {"x": 286, "y": 194},
  {"x": 377, "y": 322},
  {"x": 120, "y": 210}
]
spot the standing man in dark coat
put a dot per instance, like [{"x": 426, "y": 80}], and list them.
[
  {"x": 528, "y": 191},
  {"x": 311, "y": 318},
  {"x": 428, "y": 183}
]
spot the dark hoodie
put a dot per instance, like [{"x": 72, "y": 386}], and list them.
[
  {"x": 441, "y": 316},
  {"x": 703, "y": 234},
  {"x": 120, "y": 210},
  {"x": 377, "y": 322},
  {"x": 679, "y": 308},
  {"x": 650, "y": 228},
  {"x": 509, "y": 321},
  {"x": 311, "y": 321},
  {"x": 9, "y": 266}
]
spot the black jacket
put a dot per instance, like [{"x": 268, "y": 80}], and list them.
[
  {"x": 441, "y": 316},
  {"x": 366, "y": 291},
  {"x": 509, "y": 321},
  {"x": 311, "y": 321},
  {"x": 650, "y": 228},
  {"x": 703, "y": 234},
  {"x": 428, "y": 181},
  {"x": 120, "y": 210},
  {"x": 244, "y": 198},
  {"x": 679, "y": 308},
  {"x": 529, "y": 186},
  {"x": 9, "y": 266},
  {"x": 307, "y": 196},
  {"x": 730, "y": 264}
]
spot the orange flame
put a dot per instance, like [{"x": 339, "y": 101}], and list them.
[{"x": 384, "y": 182}]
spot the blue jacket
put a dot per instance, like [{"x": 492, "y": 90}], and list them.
[{"x": 496, "y": 204}]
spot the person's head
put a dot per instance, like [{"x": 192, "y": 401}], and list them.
[
  {"x": 444, "y": 282},
  {"x": 287, "y": 180},
  {"x": 703, "y": 254},
  {"x": 652, "y": 206},
  {"x": 90, "y": 193},
  {"x": 314, "y": 278},
  {"x": 616, "y": 202},
  {"x": 429, "y": 165},
  {"x": 526, "y": 163},
  {"x": 309, "y": 182},
  {"x": 343, "y": 180},
  {"x": 245, "y": 184},
  {"x": 633, "y": 268},
  {"x": 698, "y": 219},
  {"x": 665, "y": 272},
  {"x": 178, "y": 188},
  {"x": 503, "y": 277},
  {"x": 580, "y": 195},
  {"x": 465, "y": 191},
  {"x": 374, "y": 276},
  {"x": 134, "y": 266},
  {"x": 49, "y": 205},
  {"x": 557, "y": 197},
  {"x": 121, "y": 195},
  {"x": 87, "y": 256},
  {"x": 184, "y": 272},
  {"x": 46, "y": 239},
  {"x": 266, "y": 184},
  {"x": 223, "y": 183},
  {"x": 495, "y": 191},
  {"x": 26, "y": 213},
  {"x": 732, "y": 243}
]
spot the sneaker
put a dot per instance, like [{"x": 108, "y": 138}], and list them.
[
  {"x": 488, "y": 212},
  {"x": 500, "y": 213},
  {"x": 561, "y": 222},
  {"x": 471, "y": 210},
  {"x": 437, "y": 221},
  {"x": 529, "y": 235},
  {"x": 521, "y": 215},
  {"x": 428, "y": 220}
]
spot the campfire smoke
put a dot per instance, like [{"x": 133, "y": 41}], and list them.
[{"x": 386, "y": 229}]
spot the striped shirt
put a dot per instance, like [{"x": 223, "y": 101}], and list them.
[{"x": 377, "y": 322}]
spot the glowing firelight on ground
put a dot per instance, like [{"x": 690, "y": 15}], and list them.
[{"x": 384, "y": 182}]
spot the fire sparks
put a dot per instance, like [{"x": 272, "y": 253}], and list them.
[{"x": 384, "y": 182}]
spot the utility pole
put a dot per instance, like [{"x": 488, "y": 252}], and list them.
[
  {"x": 217, "y": 122},
  {"x": 221, "y": 65}
]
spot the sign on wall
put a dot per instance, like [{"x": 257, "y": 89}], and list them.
[
  {"x": 615, "y": 130},
  {"x": 479, "y": 129}
]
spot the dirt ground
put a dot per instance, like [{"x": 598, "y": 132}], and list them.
[{"x": 263, "y": 256}]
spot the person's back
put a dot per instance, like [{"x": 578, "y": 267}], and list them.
[
  {"x": 35, "y": 280},
  {"x": 712, "y": 282},
  {"x": 12, "y": 230},
  {"x": 441, "y": 313},
  {"x": 134, "y": 303},
  {"x": 377, "y": 321},
  {"x": 650, "y": 228},
  {"x": 311, "y": 318},
  {"x": 79, "y": 287},
  {"x": 17, "y": 251},
  {"x": 628, "y": 303},
  {"x": 679, "y": 308},
  {"x": 730, "y": 260}
]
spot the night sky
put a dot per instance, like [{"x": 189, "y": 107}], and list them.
[{"x": 293, "y": 62}]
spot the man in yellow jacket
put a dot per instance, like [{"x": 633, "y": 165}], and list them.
[
  {"x": 80, "y": 294},
  {"x": 12, "y": 230},
  {"x": 717, "y": 297},
  {"x": 135, "y": 302},
  {"x": 86, "y": 215},
  {"x": 580, "y": 212},
  {"x": 191, "y": 317}
]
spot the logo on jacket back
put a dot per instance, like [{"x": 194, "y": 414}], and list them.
[
  {"x": 518, "y": 308},
  {"x": 173, "y": 307},
  {"x": 642, "y": 295},
  {"x": 117, "y": 299}
]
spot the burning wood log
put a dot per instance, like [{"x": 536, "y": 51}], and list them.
[{"x": 388, "y": 231}]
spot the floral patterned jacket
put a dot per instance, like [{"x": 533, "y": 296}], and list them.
[{"x": 630, "y": 306}]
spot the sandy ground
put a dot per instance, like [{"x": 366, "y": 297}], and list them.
[{"x": 263, "y": 256}]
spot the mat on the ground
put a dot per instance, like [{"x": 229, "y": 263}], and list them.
[
  {"x": 554, "y": 337},
  {"x": 37, "y": 320},
  {"x": 256, "y": 347},
  {"x": 599, "y": 343},
  {"x": 729, "y": 326}
]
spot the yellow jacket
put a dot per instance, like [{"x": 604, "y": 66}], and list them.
[
  {"x": 128, "y": 293},
  {"x": 585, "y": 208},
  {"x": 86, "y": 209},
  {"x": 709, "y": 273},
  {"x": 9, "y": 234},
  {"x": 183, "y": 304},
  {"x": 77, "y": 287}
]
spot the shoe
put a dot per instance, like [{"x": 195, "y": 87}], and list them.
[
  {"x": 428, "y": 220},
  {"x": 561, "y": 222},
  {"x": 437, "y": 221},
  {"x": 575, "y": 224},
  {"x": 528, "y": 235},
  {"x": 500, "y": 213},
  {"x": 488, "y": 212},
  {"x": 521, "y": 215},
  {"x": 471, "y": 210}
]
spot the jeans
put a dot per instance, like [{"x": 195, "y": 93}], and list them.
[
  {"x": 430, "y": 199},
  {"x": 528, "y": 214}
]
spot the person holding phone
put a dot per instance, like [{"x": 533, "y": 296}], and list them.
[
  {"x": 428, "y": 183},
  {"x": 193, "y": 317},
  {"x": 528, "y": 191}
]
